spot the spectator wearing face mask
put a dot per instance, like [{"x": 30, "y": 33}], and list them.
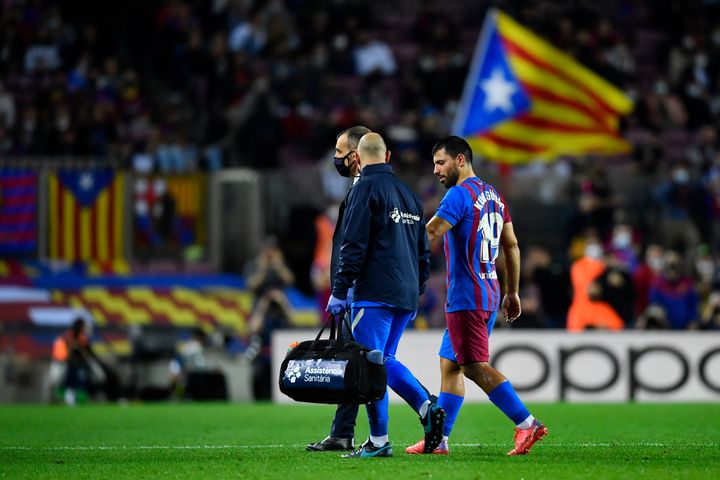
[
  {"x": 674, "y": 292},
  {"x": 616, "y": 286},
  {"x": 645, "y": 275},
  {"x": 586, "y": 310},
  {"x": 622, "y": 246}
]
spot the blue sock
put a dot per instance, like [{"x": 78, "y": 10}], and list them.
[
  {"x": 404, "y": 383},
  {"x": 451, "y": 404},
  {"x": 505, "y": 398},
  {"x": 378, "y": 416}
]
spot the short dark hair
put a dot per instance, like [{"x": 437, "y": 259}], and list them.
[
  {"x": 354, "y": 135},
  {"x": 454, "y": 146}
]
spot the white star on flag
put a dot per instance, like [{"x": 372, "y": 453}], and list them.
[
  {"x": 87, "y": 181},
  {"x": 498, "y": 92}
]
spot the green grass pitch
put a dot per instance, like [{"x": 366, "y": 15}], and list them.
[{"x": 267, "y": 441}]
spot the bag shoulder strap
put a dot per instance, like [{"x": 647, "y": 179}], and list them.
[{"x": 344, "y": 319}]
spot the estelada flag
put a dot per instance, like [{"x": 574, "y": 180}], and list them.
[
  {"x": 526, "y": 100},
  {"x": 86, "y": 215}
]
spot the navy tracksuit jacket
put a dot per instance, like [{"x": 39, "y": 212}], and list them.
[{"x": 385, "y": 249}]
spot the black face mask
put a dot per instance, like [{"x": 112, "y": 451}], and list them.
[{"x": 343, "y": 170}]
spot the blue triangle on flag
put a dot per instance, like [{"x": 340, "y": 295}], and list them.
[
  {"x": 86, "y": 185},
  {"x": 496, "y": 94}
]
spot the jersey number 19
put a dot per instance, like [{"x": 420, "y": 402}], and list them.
[{"x": 491, "y": 225}]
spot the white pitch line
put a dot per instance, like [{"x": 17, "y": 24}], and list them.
[
  {"x": 231, "y": 447},
  {"x": 146, "y": 447},
  {"x": 595, "y": 445}
]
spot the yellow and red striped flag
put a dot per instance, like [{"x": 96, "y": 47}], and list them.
[
  {"x": 87, "y": 215},
  {"x": 526, "y": 100},
  {"x": 189, "y": 192}
]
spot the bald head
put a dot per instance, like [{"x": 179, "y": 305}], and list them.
[{"x": 372, "y": 150}]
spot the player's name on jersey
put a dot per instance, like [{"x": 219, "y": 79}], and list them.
[{"x": 487, "y": 196}]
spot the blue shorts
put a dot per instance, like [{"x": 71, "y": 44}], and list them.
[{"x": 446, "y": 349}]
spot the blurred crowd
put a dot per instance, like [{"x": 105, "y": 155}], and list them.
[
  {"x": 182, "y": 85},
  {"x": 178, "y": 85}
]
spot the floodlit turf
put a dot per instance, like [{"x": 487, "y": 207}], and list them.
[{"x": 267, "y": 441}]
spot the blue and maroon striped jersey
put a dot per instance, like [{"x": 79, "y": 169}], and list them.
[{"x": 477, "y": 214}]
